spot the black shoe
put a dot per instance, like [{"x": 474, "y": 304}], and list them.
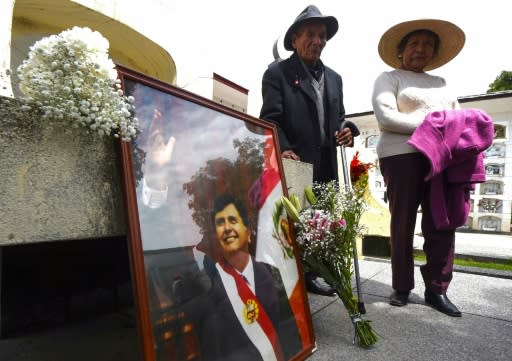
[
  {"x": 313, "y": 285},
  {"x": 441, "y": 303},
  {"x": 398, "y": 298}
]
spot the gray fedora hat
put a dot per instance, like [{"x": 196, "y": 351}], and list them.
[{"x": 310, "y": 13}]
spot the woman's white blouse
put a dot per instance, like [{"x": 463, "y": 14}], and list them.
[{"x": 401, "y": 99}]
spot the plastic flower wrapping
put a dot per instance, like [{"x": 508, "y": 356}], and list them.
[
  {"x": 70, "y": 78},
  {"x": 325, "y": 231}
]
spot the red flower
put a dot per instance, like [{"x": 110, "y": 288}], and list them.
[{"x": 358, "y": 168}]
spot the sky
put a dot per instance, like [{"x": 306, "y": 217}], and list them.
[{"x": 235, "y": 38}]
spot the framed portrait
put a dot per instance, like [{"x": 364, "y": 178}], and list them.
[{"x": 216, "y": 274}]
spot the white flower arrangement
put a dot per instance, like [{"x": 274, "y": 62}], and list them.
[{"x": 72, "y": 80}]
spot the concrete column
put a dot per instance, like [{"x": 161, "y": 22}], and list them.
[
  {"x": 298, "y": 175},
  {"x": 6, "y": 13},
  {"x": 63, "y": 184},
  {"x": 1, "y": 268}
]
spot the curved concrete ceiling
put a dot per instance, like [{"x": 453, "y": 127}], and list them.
[{"x": 127, "y": 46}]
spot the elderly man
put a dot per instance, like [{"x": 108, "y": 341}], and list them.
[
  {"x": 304, "y": 99},
  {"x": 254, "y": 318}
]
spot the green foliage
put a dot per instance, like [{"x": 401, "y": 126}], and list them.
[
  {"x": 310, "y": 196},
  {"x": 500, "y": 265},
  {"x": 501, "y": 83}
]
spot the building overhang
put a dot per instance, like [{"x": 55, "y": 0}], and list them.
[{"x": 128, "y": 47}]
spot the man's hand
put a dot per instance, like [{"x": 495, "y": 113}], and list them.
[
  {"x": 344, "y": 137},
  {"x": 290, "y": 154},
  {"x": 155, "y": 168},
  {"x": 161, "y": 151}
]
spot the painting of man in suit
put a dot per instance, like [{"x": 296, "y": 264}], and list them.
[
  {"x": 197, "y": 245},
  {"x": 254, "y": 320}
]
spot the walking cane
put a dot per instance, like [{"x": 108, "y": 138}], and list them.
[{"x": 348, "y": 185}]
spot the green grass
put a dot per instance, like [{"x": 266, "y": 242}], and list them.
[{"x": 505, "y": 265}]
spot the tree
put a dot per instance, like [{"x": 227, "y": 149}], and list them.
[
  {"x": 224, "y": 175},
  {"x": 502, "y": 82}
]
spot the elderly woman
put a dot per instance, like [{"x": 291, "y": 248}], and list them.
[{"x": 401, "y": 100}]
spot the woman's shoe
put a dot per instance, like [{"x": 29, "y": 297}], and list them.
[{"x": 441, "y": 303}]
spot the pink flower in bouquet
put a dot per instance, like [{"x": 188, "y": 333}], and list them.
[
  {"x": 318, "y": 224},
  {"x": 340, "y": 223}
]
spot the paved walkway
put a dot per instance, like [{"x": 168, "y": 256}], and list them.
[
  {"x": 414, "y": 332},
  {"x": 418, "y": 332},
  {"x": 485, "y": 245}
]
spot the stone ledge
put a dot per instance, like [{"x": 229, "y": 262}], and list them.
[{"x": 56, "y": 185}]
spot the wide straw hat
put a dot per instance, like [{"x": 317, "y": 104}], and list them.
[
  {"x": 310, "y": 13},
  {"x": 451, "y": 37}
]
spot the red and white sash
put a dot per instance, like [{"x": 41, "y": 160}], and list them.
[{"x": 250, "y": 313}]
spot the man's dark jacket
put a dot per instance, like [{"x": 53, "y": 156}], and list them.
[{"x": 289, "y": 102}]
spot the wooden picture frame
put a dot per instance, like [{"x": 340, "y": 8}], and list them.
[{"x": 190, "y": 302}]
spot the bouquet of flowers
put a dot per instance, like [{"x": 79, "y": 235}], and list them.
[
  {"x": 326, "y": 232},
  {"x": 70, "y": 78}
]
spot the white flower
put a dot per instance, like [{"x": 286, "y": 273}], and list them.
[{"x": 71, "y": 78}]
